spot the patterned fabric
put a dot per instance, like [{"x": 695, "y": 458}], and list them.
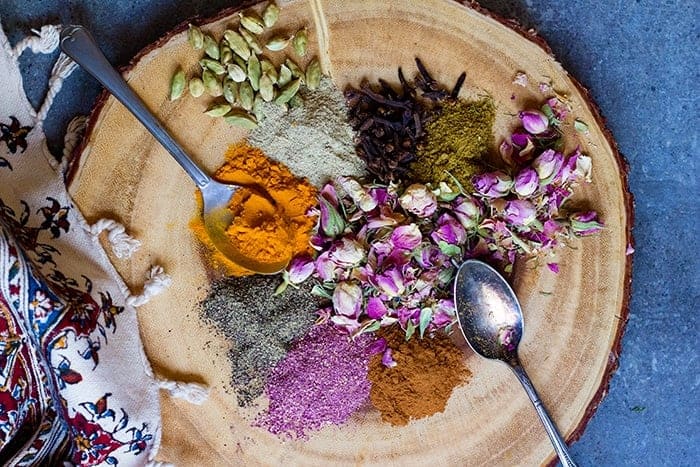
[{"x": 74, "y": 382}]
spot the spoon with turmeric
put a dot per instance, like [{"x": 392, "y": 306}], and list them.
[{"x": 78, "y": 44}]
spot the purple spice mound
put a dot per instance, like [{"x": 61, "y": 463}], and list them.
[{"x": 321, "y": 381}]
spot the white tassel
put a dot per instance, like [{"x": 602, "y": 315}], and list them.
[
  {"x": 45, "y": 41},
  {"x": 190, "y": 392},
  {"x": 63, "y": 67},
  {"x": 123, "y": 244},
  {"x": 156, "y": 282},
  {"x": 74, "y": 133}
]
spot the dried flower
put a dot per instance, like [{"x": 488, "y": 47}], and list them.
[
  {"x": 520, "y": 212},
  {"x": 347, "y": 299},
  {"x": 534, "y": 121},
  {"x": 449, "y": 230},
  {"x": 493, "y": 184},
  {"x": 332, "y": 223},
  {"x": 585, "y": 223},
  {"x": 526, "y": 182},
  {"x": 406, "y": 237},
  {"x": 548, "y": 165},
  {"x": 467, "y": 212},
  {"x": 419, "y": 200}
]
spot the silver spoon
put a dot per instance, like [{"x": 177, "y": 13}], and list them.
[
  {"x": 491, "y": 321},
  {"x": 78, "y": 44}
]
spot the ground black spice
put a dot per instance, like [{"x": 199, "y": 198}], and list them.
[{"x": 259, "y": 325}]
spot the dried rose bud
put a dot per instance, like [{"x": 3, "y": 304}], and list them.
[
  {"x": 467, "y": 211},
  {"x": 534, "y": 121},
  {"x": 449, "y": 230},
  {"x": 332, "y": 223},
  {"x": 526, "y": 182},
  {"x": 375, "y": 308},
  {"x": 406, "y": 237},
  {"x": 391, "y": 283},
  {"x": 548, "y": 165},
  {"x": 347, "y": 299},
  {"x": 520, "y": 212},
  {"x": 493, "y": 184},
  {"x": 418, "y": 200},
  {"x": 585, "y": 223},
  {"x": 347, "y": 253}
]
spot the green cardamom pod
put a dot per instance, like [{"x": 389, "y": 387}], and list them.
[
  {"x": 246, "y": 95},
  {"x": 211, "y": 47},
  {"x": 252, "y": 23},
  {"x": 285, "y": 75},
  {"x": 270, "y": 15},
  {"x": 267, "y": 89},
  {"x": 258, "y": 108},
  {"x": 177, "y": 85},
  {"x": 226, "y": 54},
  {"x": 209, "y": 64},
  {"x": 254, "y": 72},
  {"x": 236, "y": 73},
  {"x": 211, "y": 83},
  {"x": 240, "y": 118},
  {"x": 269, "y": 69},
  {"x": 196, "y": 87},
  {"x": 195, "y": 37},
  {"x": 230, "y": 88},
  {"x": 313, "y": 74},
  {"x": 300, "y": 42},
  {"x": 296, "y": 70},
  {"x": 218, "y": 110},
  {"x": 237, "y": 44},
  {"x": 287, "y": 92},
  {"x": 251, "y": 41},
  {"x": 277, "y": 43}
]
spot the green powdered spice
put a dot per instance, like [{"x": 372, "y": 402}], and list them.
[
  {"x": 456, "y": 142},
  {"x": 259, "y": 326}
]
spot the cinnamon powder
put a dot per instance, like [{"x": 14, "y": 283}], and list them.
[{"x": 426, "y": 372}]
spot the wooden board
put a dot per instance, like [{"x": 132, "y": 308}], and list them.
[{"x": 574, "y": 320}]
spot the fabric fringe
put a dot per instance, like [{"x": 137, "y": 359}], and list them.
[
  {"x": 191, "y": 392},
  {"x": 123, "y": 245},
  {"x": 45, "y": 41},
  {"x": 157, "y": 281},
  {"x": 74, "y": 133},
  {"x": 62, "y": 69}
]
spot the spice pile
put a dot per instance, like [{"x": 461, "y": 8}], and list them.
[
  {"x": 235, "y": 68},
  {"x": 414, "y": 378},
  {"x": 259, "y": 325},
  {"x": 260, "y": 231},
  {"x": 314, "y": 139},
  {"x": 321, "y": 381},
  {"x": 374, "y": 252}
]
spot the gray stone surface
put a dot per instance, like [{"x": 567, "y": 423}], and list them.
[{"x": 640, "y": 60}]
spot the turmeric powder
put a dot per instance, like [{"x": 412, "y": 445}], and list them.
[{"x": 258, "y": 229}]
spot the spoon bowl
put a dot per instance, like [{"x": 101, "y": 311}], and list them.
[
  {"x": 78, "y": 44},
  {"x": 491, "y": 321}
]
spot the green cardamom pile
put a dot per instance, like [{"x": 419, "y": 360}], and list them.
[{"x": 235, "y": 72}]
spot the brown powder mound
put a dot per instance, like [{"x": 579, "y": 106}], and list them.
[{"x": 422, "y": 381}]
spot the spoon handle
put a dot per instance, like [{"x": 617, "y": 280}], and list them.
[
  {"x": 554, "y": 436},
  {"x": 78, "y": 44}
]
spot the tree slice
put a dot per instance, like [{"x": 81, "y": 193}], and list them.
[{"x": 574, "y": 319}]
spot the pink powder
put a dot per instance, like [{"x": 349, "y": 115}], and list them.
[{"x": 321, "y": 381}]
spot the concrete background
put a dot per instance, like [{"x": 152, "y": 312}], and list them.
[{"x": 640, "y": 60}]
